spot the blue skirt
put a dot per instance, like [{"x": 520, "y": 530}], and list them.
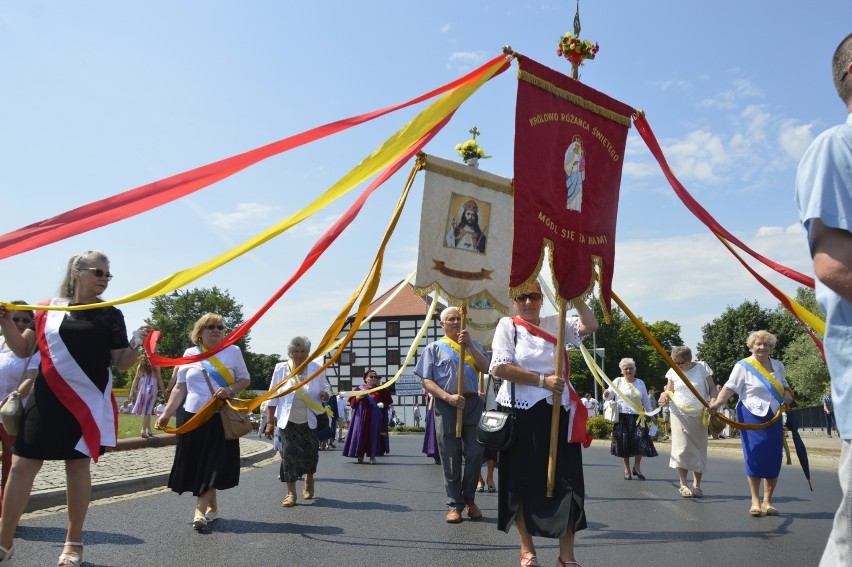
[{"x": 761, "y": 447}]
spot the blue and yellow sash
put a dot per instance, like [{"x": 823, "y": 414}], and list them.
[
  {"x": 752, "y": 365},
  {"x": 453, "y": 350},
  {"x": 216, "y": 370}
]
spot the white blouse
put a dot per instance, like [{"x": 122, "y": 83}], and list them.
[
  {"x": 513, "y": 344},
  {"x": 286, "y": 405},
  {"x": 12, "y": 368},
  {"x": 752, "y": 392},
  {"x": 197, "y": 391},
  {"x": 636, "y": 391},
  {"x": 684, "y": 398}
]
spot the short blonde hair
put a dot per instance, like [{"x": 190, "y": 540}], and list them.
[
  {"x": 764, "y": 336},
  {"x": 203, "y": 321}
]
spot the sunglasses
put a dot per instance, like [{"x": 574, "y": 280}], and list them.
[
  {"x": 99, "y": 273},
  {"x": 531, "y": 296},
  {"x": 211, "y": 327},
  {"x": 25, "y": 321}
]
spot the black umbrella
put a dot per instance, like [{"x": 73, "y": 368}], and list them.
[{"x": 801, "y": 451}]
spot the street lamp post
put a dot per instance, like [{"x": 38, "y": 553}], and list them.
[{"x": 598, "y": 352}]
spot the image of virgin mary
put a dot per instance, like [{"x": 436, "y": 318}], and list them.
[{"x": 575, "y": 173}]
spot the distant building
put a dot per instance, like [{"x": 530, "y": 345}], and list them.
[{"x": 383, "y": 342}]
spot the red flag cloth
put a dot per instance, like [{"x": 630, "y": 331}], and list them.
[{"x": 569, "y": 151}]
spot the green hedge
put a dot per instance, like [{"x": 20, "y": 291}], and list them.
[{"x": 599, "y": 428}]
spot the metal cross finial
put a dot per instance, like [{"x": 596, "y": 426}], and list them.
[
  {"x": 577, "y": 20},
  {"x": 474, "y": 132}
]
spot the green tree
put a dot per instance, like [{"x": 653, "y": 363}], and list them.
[
  {"x": 620, "y": 338},
  {"x": 807, "y": 372},
  {"x": 174, "y": 315},
  {"x": 260, "y": 367}
]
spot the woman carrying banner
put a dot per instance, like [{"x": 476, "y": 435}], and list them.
[
  {"x": 524, "y": 355},
  {"x": 630, "y": 436},
  {"x": 70, "y": 415},
  {"x": 295, "y": 416},
  {"x": 761, "y": 384},
  {"x": 204, "y": 460},
  {"x": 689, "y": 423},
  {"x": 368, "y": 429}
]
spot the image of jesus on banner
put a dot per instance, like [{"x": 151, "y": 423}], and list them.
[{"x": 464, "y": 230}]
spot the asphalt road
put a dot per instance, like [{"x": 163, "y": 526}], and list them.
[{"x": 392, "y": 513}]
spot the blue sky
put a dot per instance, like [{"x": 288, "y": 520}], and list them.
[{"x": 100, "y": 97}]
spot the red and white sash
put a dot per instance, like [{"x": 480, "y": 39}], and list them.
[
  {"x": 579, "y": 415},
  {"x": 95, "y": 411}
]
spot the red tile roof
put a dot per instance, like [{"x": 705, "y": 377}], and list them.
[{"x": 407, "y": 303}]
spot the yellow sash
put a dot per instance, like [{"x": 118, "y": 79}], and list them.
[
  {"x": 314, "y": 407},
  {"x": 769, "y": 377},
  {"x": 468, "y": 358}
]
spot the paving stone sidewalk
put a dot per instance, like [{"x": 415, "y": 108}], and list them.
[{"x": 139, "y": 465}]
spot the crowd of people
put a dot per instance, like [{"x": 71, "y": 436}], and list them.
[{"x": 59, "y": 361}]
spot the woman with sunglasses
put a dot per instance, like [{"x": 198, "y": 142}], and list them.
[
  {"x": 689, "y": 418},
  {"x": 368, "y": 429},
  {"x": 205, "y": 461},
  {"x": 70, "y": 414},
  {"x": 16, "y": 373},
  {"x": 524, "y": 351}
]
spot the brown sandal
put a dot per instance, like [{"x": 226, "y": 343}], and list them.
[
  {"x": 685, "y": 491},
  {"x": 289, "y": 501}
]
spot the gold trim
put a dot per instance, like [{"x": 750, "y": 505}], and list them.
[
  {"x": 467, "y": 177},
  {"x": 571, "y": 97}
]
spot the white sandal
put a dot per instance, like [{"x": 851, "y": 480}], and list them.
[
  {"x": 7, "y": 553},
  {"x": 72, "y": 559}
]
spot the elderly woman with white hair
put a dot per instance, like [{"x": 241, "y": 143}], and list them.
[
  {"x": 689, "y": 428},
  {"x": 630, "y": 435},
  {"x": 761, "y": 384},
  {"x": 295, "y": 416}
]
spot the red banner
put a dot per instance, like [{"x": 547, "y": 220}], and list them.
[{"x": 569, "y": 151}]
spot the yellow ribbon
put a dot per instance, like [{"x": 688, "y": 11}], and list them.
[
  {"x": 217, "y": 364},
  {"x": 385, "y": 154}
]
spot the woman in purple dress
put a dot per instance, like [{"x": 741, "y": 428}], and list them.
[
  {"x": 144, "y": 392},
  {"x": 368, "y": 429}
]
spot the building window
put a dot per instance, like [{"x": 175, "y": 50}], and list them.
[
  {"x": 358, "y": 374},
  {"x": 393, "y": 357},
  {"x": 393, "y": 329}
]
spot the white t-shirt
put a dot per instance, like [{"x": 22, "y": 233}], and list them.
[{"x": 197, "y": 391}]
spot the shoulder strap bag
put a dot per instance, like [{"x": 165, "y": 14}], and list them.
[{"x": 234, "y": 423}]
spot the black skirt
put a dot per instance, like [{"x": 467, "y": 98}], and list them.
[
  {"x": 523, "y": 477},
  {"x": 301, "y": 451},
  {"x": 205, "y": 460},
  {"x": 630, "y": 439}
]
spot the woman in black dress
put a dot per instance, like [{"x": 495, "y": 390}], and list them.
[
  {"x": 70, "y": 414},
  {"x": 205, "y": 462}
]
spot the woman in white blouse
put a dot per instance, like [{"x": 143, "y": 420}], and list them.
[
  {"x": 689, "y": 426},
  {"x": 761, "y": 384},
  {"x": 523, "y": 356},
  {"x": 295, "y": 417},
  {"x": 204, "y": 460},
  {"x": 630, "y": 435}
]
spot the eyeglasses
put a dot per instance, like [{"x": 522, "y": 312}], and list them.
[
  {"x": 679, "y": 362},
  {"x": 372, "y": 377},
  {"x": 25, "y": 321},
  {"x": 531, "y": 296},
  {"x": 211, "y": 327},
  {"x": 99, "y": 273}
]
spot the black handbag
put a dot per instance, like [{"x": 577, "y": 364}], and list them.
[
  {"x": 323, "y": 422},
  {"x": 496, "y": 428}
]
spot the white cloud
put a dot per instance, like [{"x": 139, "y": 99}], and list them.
[
  {"x": 794, "y": 137},
  {"x": 445, "y": 29},
  {"x": 247, "y": 215},
  {"x": 465, "y": 60},
  {"x": 691, "y": 279},
  {"x": 317, "y": 226},
  {"x": 666, "y": 84}
]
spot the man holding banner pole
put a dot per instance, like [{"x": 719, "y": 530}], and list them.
[{"x": 438, "y": 369}]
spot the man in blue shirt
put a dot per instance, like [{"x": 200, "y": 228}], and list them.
[
  {"x": 824, "y": 198},
  {"x": 438, "y": 370}
]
